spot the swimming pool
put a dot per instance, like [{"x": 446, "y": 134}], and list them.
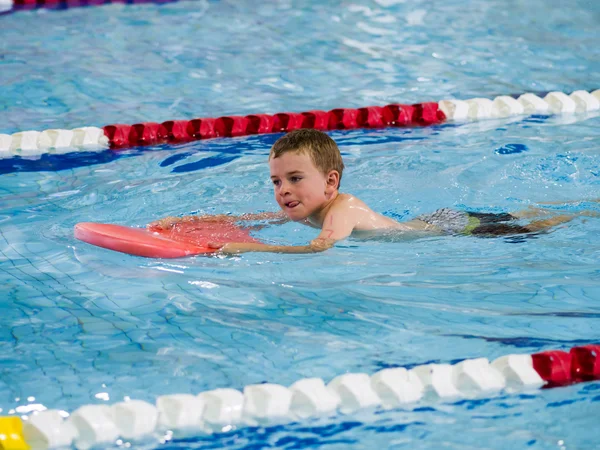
[{"x": 83, "y": 325}]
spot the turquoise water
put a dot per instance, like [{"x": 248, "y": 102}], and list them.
[
  {"x": 79, "y": 324},
  {"x": 133, "y": 63}
]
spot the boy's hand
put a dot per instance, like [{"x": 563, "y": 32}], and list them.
[
  {"x": 164, "y": 224},
  {"x": 216, "y": 218},
  {"x": 231, "y": 248},
  {"x": 321, "y": 244},
  {"x": 169, "y": 222},
  {"x": 215, "y": 245},
  {"x": 234, "y": 248}
]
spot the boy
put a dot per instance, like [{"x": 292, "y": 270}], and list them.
[{"x": 306, "y": 169}]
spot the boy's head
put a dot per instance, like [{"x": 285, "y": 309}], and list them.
[
  {"x": 306, "y": 168},
  {"x": 323, "y": 150}
]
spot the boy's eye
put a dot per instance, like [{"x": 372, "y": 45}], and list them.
[
  {"x": 295, "y": 179},
  {"x": 276, "y": 182}
]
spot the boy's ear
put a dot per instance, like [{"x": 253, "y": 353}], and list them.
[{"x": 333, "y": 180}]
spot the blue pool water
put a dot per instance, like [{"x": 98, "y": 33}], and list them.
[
  {"x": 133, "y": 63},
  {"x": 82, "y": 325}
]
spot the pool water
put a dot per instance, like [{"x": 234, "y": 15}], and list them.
[
  {"x": 134, "y": 63},
  {"x": 80, "y": 324}
]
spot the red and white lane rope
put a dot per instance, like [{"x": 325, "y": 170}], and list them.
[
  {"x": 17, "y": 5},
  {"x": 119, "y": 136},
  {"x": 506, "y": 106},
  {"x": 226, "y": 409}
]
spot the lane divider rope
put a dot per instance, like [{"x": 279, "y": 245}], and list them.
[
  {"x": 9, "y": 6},
  {"x": 226, "y": 409},
  {"x": 121, "y": 136}
]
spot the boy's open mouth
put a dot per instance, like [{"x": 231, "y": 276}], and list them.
[{"x": 292, "y": 204}]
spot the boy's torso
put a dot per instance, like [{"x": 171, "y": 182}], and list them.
[{"x": 368, "y": 220}]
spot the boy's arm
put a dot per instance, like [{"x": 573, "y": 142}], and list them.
[
  {"x": 233, "y": 248},
  {"x": 278, "y": 216},
  {"x": 338, "y": 224},
  {"x": 274, "y": 218},
  {"x": 169, "y": 222}
]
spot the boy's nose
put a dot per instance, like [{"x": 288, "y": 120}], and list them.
[{"x": 284, "y": 188}]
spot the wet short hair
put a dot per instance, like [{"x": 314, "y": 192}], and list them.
[{"x": 323, "y": 150}]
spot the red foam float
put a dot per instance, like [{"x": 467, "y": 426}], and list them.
[
  {"x": 117, "y": 134},
  {"x": 174, "y": 131},
  {"x": 553, "y": 366},
  {"x": 144, "y": 133},
  {"x": 405, "y": 116},
  {"x": 427, "y": 114},
  {"x": 319, "y": 120},
  {"x": 186, "y": 238},
  {"x": 401, "y": 115},
  {"x": 343, "y": 119},
  {"x": 371, "y": 117},
  {"x": 231, "y": 126},
  {"x": 201, "y": 128},
  {"x": 396, "y": 115},
  {"x": 287, "y": 122},
  {"x": 441, "y": 116},
  {"x": 259, "y": 123},
  {"x": 585, "y": 362},
  {"x": 387, "y": 117}
]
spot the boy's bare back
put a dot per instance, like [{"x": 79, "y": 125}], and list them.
[{"x": 348, "y": 214}]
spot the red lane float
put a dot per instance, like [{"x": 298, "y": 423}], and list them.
[
  {"x": 144, "y": 133},
  {"x": 559, "y": 368},
  {"x": 53, "y": 4},
  {"x": 201, "y": 128},
  {"x": 287, "y": 122},
  {"x": 186, "y": 238},
  {"x": 319, "y": 120},
  {"x": 231, "y": 126},
  {"x": 427, "y": 114},
  {"x": 394, "y": 115},
  {"x": 118, "y": 135},
  {"x": 343, "y": 119},
  {"x": 174, "y": 131},
  {"x": 259, "y": 123},
  {"x": 585, "y": 363},
  {"x": 554, "y": 367},
  {"x": 374, "y": 117}
]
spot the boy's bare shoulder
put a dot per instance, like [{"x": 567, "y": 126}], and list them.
[
  {"x": 349, "y": 200},
  {"x": 363, "y": 218},
  {"x": 354, "y": 208}
]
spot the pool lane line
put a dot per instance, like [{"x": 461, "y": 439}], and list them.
[
  {"x": 11, "y": 434},
  {"x": 226, "y": 409},
  {"x": 11, "y": 6},
  {"x": 122, "y": 136}
]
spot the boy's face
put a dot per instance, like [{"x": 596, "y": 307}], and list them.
[{"x": 301, "y": 189}]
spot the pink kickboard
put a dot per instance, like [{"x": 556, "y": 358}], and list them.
[{"x": 184, "y": 239}]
